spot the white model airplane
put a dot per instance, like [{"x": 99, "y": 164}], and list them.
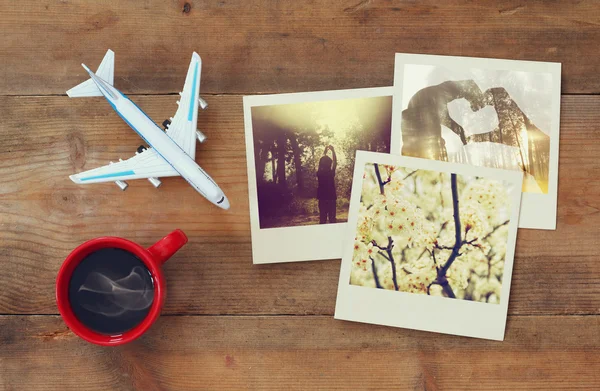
[{"x": 171, "y": 152}]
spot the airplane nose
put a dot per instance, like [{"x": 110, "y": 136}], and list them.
[{"x": 225, "y": 203}]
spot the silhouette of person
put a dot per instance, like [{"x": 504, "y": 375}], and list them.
[
  {"x": 326, "y": 193},
  {"x": 427, "y": 111}
]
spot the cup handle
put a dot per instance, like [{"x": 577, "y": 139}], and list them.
[{"x": 167, "y": 246}]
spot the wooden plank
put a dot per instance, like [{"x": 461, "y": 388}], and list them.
[
  {"x": 43, "y": 215},
  {"x": 267, "y": 46},
  {"x": 276, "y": 353}
]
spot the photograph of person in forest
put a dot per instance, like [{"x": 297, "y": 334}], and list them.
[
  {"x": 304, "y": 156},
  {"x": 431, "y": 233},
  {"x": 491, "y": 118}
]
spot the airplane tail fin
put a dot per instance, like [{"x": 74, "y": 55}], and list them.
[{"x": 106, "y": 71}]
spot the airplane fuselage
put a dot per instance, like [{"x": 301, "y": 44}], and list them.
[{"x": 168, "y": 149}]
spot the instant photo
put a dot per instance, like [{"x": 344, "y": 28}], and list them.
[
  {"x": 431, "y": 245},
  {"x": 483, "y": 112},
  {"x": 300, "y": 152}
]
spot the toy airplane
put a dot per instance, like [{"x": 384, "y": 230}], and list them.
[{"x": 171, "y": 152}]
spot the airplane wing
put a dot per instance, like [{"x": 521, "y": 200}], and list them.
[
  {"x": 183, "y": 125},
  {"x": 148, "y": 164}
]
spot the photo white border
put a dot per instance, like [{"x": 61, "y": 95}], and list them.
[
  {"x": 417, "y": 311},
  {"x": 301, "y": 243},
  {"x": 538, "y": 211}
]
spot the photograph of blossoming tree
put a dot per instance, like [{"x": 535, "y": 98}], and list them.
[{"x": 431, "y": 233}]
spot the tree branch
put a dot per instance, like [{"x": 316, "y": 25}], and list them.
[
  {"x": 385, "y": 256},
  {"x": 429, "y": 287},
  {"x": 389, "y": 257},
  {"x": 374, "y": 269},
  {"x": 381, "y": 183},
  {"x": 389, "y": 251},
  {"x": 457, "y": 228},
  {"x": 433, "y": 256},
  {"x": 409, "y": 175},
  {"x": 448, "y": 289},
  {"x": 378, "y": 246},
  {"x": 441, "y": 279},
  {"x": 495, "y": 229},
  {"x": 440, "y": 247}
]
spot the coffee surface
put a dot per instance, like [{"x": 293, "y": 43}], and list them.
[{"x": 111, "y": 291}]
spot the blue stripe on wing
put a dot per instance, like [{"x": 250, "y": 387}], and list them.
[
  {"x": 115, "y": 174},
  {"x": 193, "y": 97}
]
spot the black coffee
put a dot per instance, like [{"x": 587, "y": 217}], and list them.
[{"x": 111, "y": 291}]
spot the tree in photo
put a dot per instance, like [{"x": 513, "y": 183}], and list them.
[{"x": 431, "y": 233}]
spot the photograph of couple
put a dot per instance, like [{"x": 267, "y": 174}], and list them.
[
  {"x": 304, "y": 156},
  {"x": 491, "y": 118}
]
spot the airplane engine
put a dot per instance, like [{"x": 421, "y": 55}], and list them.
[
  {"x": 155, "y": 182},
  {"x": 202, "y": 103},
  {"x": 200, "y": 136},
  {"x": 122, "y": 185}
]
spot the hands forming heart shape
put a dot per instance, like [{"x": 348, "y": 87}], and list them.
[
  {"x": 474, "y": 116},
  {"x": 471, "y": 121}
]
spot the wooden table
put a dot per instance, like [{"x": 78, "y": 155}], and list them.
[{"x": 228, "y": 324}]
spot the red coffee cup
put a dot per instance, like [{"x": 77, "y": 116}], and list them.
[{"x": 152, "y": 258}]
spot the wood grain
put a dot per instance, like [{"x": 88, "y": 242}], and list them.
[
  {"x": 301, "y": 353},
  {"x": 270, "y": 46},
  {"x": 43, "y": 215},
  {"x": 228, "y": 324}
]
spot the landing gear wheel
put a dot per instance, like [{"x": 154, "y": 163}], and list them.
[
  {"x": 141, "y": 149},
  {"x": 166, "y": 123}
]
